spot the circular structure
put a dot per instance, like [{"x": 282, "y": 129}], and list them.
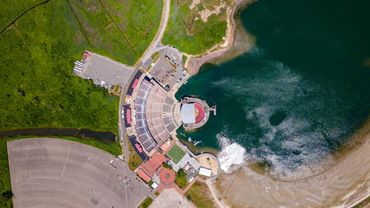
[
  {"x": 167, "y": 176},
  {"x": 211, "y": 162},
  {"x": 194, "y": 112}
]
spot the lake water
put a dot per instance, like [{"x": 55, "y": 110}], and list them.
[{"x": 298, "y": 94}]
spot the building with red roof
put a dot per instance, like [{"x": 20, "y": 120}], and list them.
[{"x": 149, "y": 167}]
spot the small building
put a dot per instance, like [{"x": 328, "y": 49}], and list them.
[
  {"x": 154, "y": 185},
  {"x": 205, "y": 172}
]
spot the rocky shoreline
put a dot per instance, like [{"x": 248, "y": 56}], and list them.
[{"x": 236, "y": 42}]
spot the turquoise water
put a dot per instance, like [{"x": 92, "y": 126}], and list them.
[{"x": 300, "y": 92}]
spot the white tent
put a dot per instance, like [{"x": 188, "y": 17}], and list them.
[
  {"x": 205, "y": 172},
  {"x": 188, "y": 113}
]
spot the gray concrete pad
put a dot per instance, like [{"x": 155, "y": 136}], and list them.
[
  {"x": 106, "y": 72},
  {"x": 168, "y": 69},
  {"x": 58, "y": 173},
  {"x": 170, "y": 198}
]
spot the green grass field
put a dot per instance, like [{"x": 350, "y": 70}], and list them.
[
  {"x": 176, "y": 153},
  {"x": 146, "y": 203},
  {"x": 4, "y": 175},
  {"x": 180, "y": 179},
  {"x": 199, "y": 195},
  {"x": 38, "y": 51},
  {"x": 190, "y": 34},
  {"x": 134, "y": 160}
]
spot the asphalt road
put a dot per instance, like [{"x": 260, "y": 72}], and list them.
[
  {"x": 58, "y": 173},
  {"x": 153, "y": 47},
  {"x": 155, "y": 44}
]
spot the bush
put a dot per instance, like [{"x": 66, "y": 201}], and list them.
[
  {"x": 7, "y": 194},
  {"x": 166, "y": 165},
  {"x": 181, "y": 180}
]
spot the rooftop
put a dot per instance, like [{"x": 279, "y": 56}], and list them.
[{"x": 188, "y": 113}]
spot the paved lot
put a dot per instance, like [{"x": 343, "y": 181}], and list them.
[
  {"x": 168, "y": 69},
  {"x": 106, "y": 72},
  {"x": 58, "y": 173},
  {"x": 170, "y": 198}
]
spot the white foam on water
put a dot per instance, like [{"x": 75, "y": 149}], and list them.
[{"x": 232, "y": 154}]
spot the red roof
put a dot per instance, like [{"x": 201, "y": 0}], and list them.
[
  {"x": 153, "y": 163},
  {"x": 135, "y": 83},
  {"x": 143, "y": 175},
  {"x": 200, "y": 111},
  {"x": 138, "y": 147},
  {"x": 128, "y": 116}
]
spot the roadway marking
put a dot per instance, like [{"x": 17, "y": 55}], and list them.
[{"x": 65, "y": 163}]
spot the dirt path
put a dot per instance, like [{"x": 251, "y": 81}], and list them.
[{"x": 214, "y": 194}]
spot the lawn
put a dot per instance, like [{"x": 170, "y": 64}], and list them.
[
  {"x": 4, "y": 176},
  {"x": 37, "y": 86},
  {"x": 199, "y": 194},
  {"x": 146, "y": 203},
  {"x": 122, "y": 29},
  {"x": 363, "y": 204},
  {"x": 134, "y": 160},
  {"x": 180, "y": 179},
  {"x": 176, "y": 153},
  {"x": 188, "y": 32}
]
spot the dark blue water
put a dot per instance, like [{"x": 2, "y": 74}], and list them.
[{"x": 301, "y": 92}]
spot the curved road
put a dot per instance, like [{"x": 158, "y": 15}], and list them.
[
  {"x": 153, "y": 47},
  {"x": 155, "y": 44}
]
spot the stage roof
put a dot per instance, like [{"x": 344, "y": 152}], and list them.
[{"x": 188, "y": 113}]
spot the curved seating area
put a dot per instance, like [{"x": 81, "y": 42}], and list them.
[
  {"x": 141, "y": 127},
  {"x": 154, "y": 115},
  {"x": 160, "y": 119}
]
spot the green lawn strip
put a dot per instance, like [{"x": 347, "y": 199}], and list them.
[
  {"x": 176, "y": 153},
  {"x": 193, "y": 36},
  {"x": 38, "y": 88},
  {"x": 4, "y": 176},
  {"x": 134, "y": 160},
  {"x": 146, "y": 203},
  {"x": 199, "y": 195},
  {"x": 363, "y": 203},
  {"x": 180, "y": 179},
  {"x": 113, "y": 148}
]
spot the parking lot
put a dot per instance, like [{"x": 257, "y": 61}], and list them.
[{"x": 58, "y": 173}]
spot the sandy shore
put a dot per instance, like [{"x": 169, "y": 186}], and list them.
[
  {"x": 341, "y": 185},
  {"x": 236, "y": 42}
]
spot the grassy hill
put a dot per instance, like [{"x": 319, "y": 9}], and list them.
[
  {"x": 191, "y": 30},
  {"x": 38, "y": 51},
  {"x": 40, "y": 40}
]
